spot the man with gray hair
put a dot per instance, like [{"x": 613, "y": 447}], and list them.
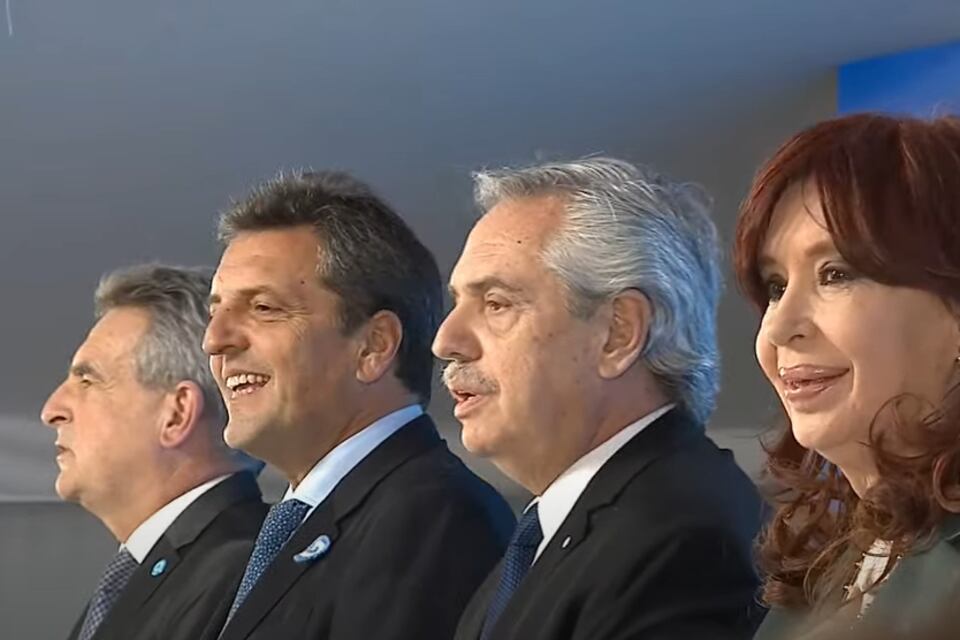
[
  {"x": 139, "y": 423},
  {"x": 583, "y": 362}
]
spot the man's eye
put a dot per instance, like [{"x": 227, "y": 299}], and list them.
[{"x": 495, "y": 306}]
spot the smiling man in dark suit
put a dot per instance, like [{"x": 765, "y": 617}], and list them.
[
  {"x": 583, "y": 362},
  {"x": 139, "y": 424},
  {"x": 322, "y": 312}
]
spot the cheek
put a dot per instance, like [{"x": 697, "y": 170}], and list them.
[{"x": 766, "y": 355}]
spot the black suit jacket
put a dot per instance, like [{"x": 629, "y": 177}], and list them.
[
  {"x": 412, "y": 534},
  {"x": 203, "y": 554},
  {"x": 658, "y": 547}
]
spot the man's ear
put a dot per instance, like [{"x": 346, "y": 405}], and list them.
[
  {"x": 379, "y": 342},
  {"x": 629, "y": 315},
  {"x": 183, "y": 407}
]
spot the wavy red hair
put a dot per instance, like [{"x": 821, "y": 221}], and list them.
[{"x": 890, "y": 192}]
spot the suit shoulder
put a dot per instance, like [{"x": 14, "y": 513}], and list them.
[
  {"x": 232, "y": 531},
  {"x": 696, "y": 487},
  {"x": 440, "y": 476},
  {"x": 437, "y": 487}
]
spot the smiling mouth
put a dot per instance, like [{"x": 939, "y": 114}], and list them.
[
  {"x": 802, "y": 391},
  {"x": 245, "y": 384}
]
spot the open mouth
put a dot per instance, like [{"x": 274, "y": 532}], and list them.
[
  {"x": 62, "y": 452},
  {"x": 244, "y": 384},
  {"x": 465, "y": 401}
]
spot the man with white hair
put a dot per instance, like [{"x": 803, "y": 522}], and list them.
[
  {"x": 139, "y": 423},
  {"x": 583, "y": 362}
]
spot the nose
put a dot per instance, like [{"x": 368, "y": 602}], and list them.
[
  {"x": 455, "y": 340},
  {"x": 56, "y": 410},
  {"x": 223, "y": 335},
  {"x": 790, "y": 318}
]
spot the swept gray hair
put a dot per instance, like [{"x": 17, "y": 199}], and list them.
[
  {"x": 171, "y": 350},
  {"x": 632, "y": 228}
]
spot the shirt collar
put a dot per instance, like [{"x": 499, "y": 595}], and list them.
[
  {"x": 144, "y": 537},
  {"x": 558, "y": 499},
  {"x": 333, "y": 467}
]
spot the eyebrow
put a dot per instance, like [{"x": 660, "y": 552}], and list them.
[
  {"x": 250, "y": 292},
  {"x": 818, "y": 248},
  {"x": 485, "y": 284},
  {"x": 81, "y": 369}
]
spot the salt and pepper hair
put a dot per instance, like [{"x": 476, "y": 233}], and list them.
[
  {"x": 627, "y": 227},
  {"x": 170, "y": 352}
]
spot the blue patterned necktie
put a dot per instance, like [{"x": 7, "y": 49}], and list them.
[
  {"x": 280, "y": 523},
  {"x": 112, "y": 582},
  {"x": 516, "y": 563}
]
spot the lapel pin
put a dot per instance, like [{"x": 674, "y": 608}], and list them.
[
  {"x": 317, "y": 548},
  {"x": 158, "y": 568}
]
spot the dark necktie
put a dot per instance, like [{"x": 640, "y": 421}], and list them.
[
  {"x": 280, "y": 523},
  {"x": 112, "y": 582},
  {"x": 516, "y": 563}
]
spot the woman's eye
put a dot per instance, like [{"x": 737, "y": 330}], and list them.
[
  {"x": 774, "y": 288},
  {"x": 834, "y": 275}
]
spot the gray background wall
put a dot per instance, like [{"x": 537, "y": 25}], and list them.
[{"x": 124, "y": 127}]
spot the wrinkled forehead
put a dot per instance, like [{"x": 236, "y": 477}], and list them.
[
  {"x": 508, "y": 241},
  {"x": 113, "y": 340},
  {"x": 268, "y": 257}
]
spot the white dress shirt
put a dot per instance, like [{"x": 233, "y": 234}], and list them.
[
  {"x": 144, "y": 537},
  {"x": 555, "y": 504},
  {"x": 324, "y": 477}
]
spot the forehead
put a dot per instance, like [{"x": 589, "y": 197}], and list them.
[
  {"x": 270, "y": 256},
  {"x": 509, "y": 239},
  {"x": 797, "y": 225},
  {"x": 115, "y": 336}
]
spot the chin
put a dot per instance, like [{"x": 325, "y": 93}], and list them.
[
  {"x": 815, "y": 434},
  {"x": 64, "y": 489},
  {"x": 237, "y": 434},
  {"x": 474, "y": 440}
]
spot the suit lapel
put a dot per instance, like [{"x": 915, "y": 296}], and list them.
[
  {"x": 409, "y": 441},
  {"x": 471, "y": 622},
  {"x": 660, "y": 438},
  {"x": 164, "y": 557},
  {"x": 664, "y": 435}
]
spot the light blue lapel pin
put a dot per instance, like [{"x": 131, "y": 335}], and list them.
[
  {"x": 317, "y": 548},
  {"x": 159, "y": 567}
]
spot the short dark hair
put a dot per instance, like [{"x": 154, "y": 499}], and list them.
[{"x": 371, "y": 259}]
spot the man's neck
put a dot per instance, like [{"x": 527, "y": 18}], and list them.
[
  {"x": 137, "y": 508},
  {"x": 324, "y": 443},
  {"x": 614, "y": 419}
]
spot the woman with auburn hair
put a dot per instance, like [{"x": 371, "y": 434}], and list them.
[{"x": 849, "y": 244}]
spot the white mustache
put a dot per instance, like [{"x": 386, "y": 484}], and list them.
[{"x": 465, "y": 377}]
